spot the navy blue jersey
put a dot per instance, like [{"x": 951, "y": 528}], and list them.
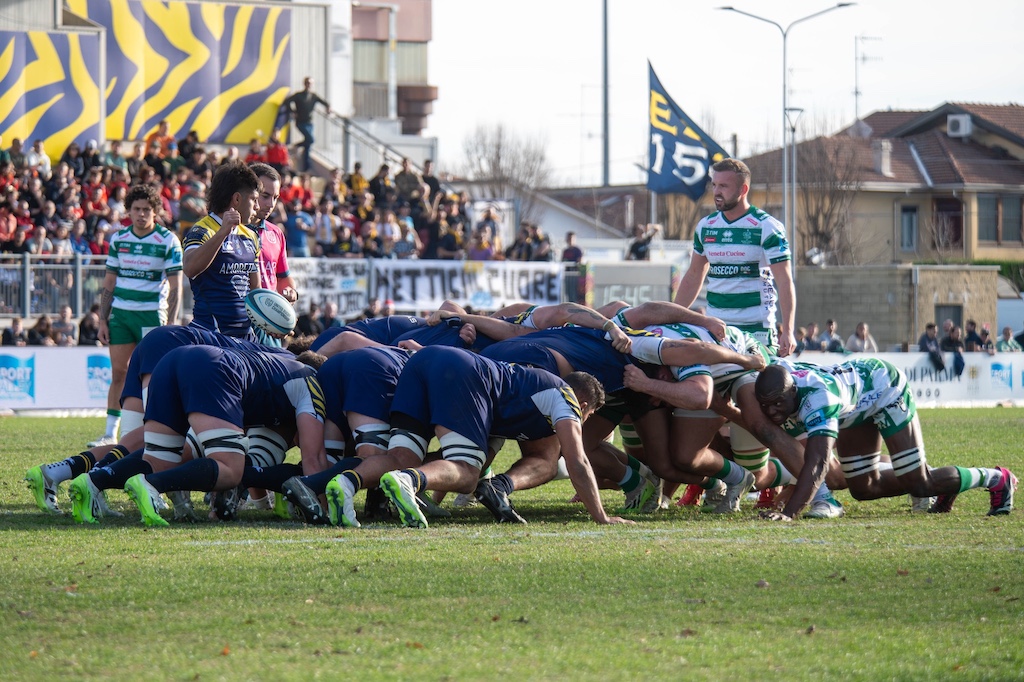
[
  {"x": 219, "y": 291},
  {"x": 243, "y": 387},
  {"x": 586, "y": 350},
  {"x": 162, "y": 340},
  {"x": 477, "y": 397},
  {"x": 382, "y": 330},
  {"x": 362, "y": 381}
]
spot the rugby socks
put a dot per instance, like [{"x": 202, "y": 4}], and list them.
[
  {"x": 822, "y": 493},
  {"x": 269, "y": 478},
  {"x": 782, "y": 474},
  {"x": 318, "y": 482},
  {"x": 115, "y": 475},
  {"x": 199, "y": 474},
  {"x": 113, "y": 421},
  {"x": 69, "y": 468},
  {"x": 503, "y": 483},
  {"x": 708, "y": 483},
  {"x": 354, "y": 478},
  {"x": 631, "y": 480},
  {"x": 731, "y": 474},
  {"x": 419, "y": 480},
  {"x": 116, "y": 453},
  {"x": 977, "y": 477}
]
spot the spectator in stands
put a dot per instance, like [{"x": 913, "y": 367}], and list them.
[
  {"x": 640, "y": 247},
  {"x": 953, "y": 342},
  {"x": 1008, "y": 344},
  {"x": 117, "y": 197},
  {"x": 40, "y": 244},
  {"x": 41, "y": 334},
  {"x": 155, "y": 159},
  {"x": 277, "y": 154},
  {"x": 330, "y": 318},
  {"x": 373, "y": 244},
  {"x": 972, "y": 340},
  {"x": 947, "y": 327},
  {"x": 407, "y": 242},
  {"x": 256, "y": 153},
  {"x": 187, "y": 144},
  {"x": 407, "y": 182},
  {"x": 38, "y": 160},
  {"x": 380, "y": 184},
  {"x": 91, "y": 156},
  {"x": 986, "y": 345},
  {"x": 540, "y": 243},
  {"x": 79, "y": 239},
  {"x": 99, "y": 245},
  {"x": 19, "y": 245},
  {"x": 571, "y": 253},
  {"x": 5, "y": 155},
  {"x": 8, "y": 224},
  {"x": 61, "y": 244},
  {"x": 137, "y": 160},
  {"x": 162, "y": 137},
  {"x": 861, "y": 340},
  {"x": 73, "y": 158},
  {"x": 17, "y": 153},
  {"x": 201, "y": 163},
  {"x": 811, "y": 338},
  {"x": 450, "y": 247},
  {"x": 89, "y": 327},
  {"x": 174, "y": 160},
  {"x": 801, "y": 340},
  {"x": 357, "y": 184},
  {"x": 301, "y": 105},
  {"x": 325, "y": 226},
  {"x": 15, "y": 335},
  {"x": 64, "y": 329},
  {"x": 299, "y": 230},
  {"x": 829, "y": 339},
  {"x": 308, "y": 322},
  {"x": 349, "y": 245},
  {"x": 480, "y": 244},
  {"x": 431, "y": 181},
  {"x": 114, "y": 158}
]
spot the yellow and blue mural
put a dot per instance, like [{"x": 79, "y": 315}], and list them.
[
  {"x": 221, "y": 70},
  {"x": 49, "y": 88}
]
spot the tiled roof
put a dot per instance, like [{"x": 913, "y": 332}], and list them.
[
  {"x": 1009, "y": 117},
  {"x": 883, "y": 122},
  {"x": 950, "y": 161}
]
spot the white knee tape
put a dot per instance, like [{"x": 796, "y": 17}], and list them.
[
  {"x": 457, "y": 448},
  {"x": 266, "y": 447},
  {"x": 165, "y": 447},
  {"x": 130, "y": 420},
  {"x": 750, "y": 453},
  {"x": 859, "y": 465},
  {"x": 223, "y": 440},
  {"x": 372, "y": 435},
  {"x": 401, "y": 438},
  {"x": 907, "y": 461}
]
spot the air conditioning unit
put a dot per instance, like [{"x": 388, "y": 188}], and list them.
[{"x": 959, "y": 125}]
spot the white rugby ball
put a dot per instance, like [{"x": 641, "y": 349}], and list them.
[{"x": 270, "y": 311}]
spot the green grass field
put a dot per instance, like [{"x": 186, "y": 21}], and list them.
[{"x": 879, "y": 594}]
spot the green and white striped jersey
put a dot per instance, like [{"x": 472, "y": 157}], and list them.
[
  {"x": 142, "y": 265},
  {"x": 741, "y": 289},
  {"x": 722, "y": 374},
  {"x": 833, "y": 398}
]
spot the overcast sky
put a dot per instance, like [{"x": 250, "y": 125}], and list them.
[{"x": 535, "y": 65}]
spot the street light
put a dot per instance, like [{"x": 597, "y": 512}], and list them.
[
  {"x": 785, "y": 160},
  {"x": 793, "y": 115}
]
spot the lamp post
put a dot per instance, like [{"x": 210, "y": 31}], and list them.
[
  {"x": 785, "y": 161},
  {"x": 792, "y": 117}
]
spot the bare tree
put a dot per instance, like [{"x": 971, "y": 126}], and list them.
[
  {"x": 828, "y": 182},
  {"x": 945, "y": 237},
  {"x": 507, "y": 165}
]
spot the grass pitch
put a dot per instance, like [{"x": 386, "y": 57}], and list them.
[{"x": 879, "y": 594}]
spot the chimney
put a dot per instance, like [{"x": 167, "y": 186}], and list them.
[{"x": 882, "y": 150}]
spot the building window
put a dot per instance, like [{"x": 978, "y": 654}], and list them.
[
  {"x": 908, "y": 228},
  {"x": 988, "y": 217},
  {"x": 1011, "y": 219}
]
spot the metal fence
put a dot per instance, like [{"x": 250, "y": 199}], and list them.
[{"x": 40, "y": 285}]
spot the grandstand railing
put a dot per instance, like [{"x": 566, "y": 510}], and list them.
[{"x": 342, "y": 142}]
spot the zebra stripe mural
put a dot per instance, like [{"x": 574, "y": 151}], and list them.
[
  {"x": 49, "y": 88},
  {"x": 221, "y": 70}
]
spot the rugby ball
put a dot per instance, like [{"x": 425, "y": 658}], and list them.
[{"x": 270, "y": 311}]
